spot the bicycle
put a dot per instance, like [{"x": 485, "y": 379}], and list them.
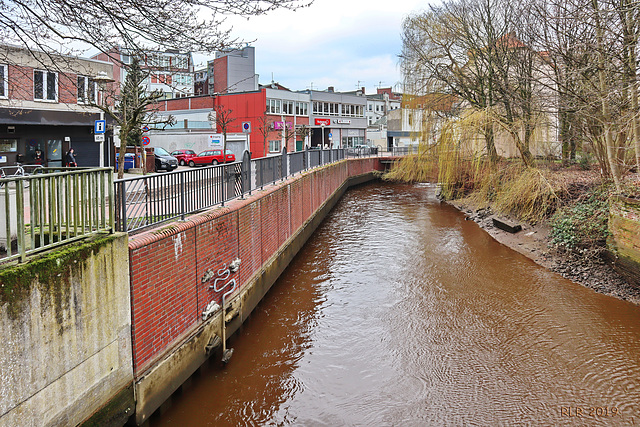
[{"x": 19, "y": 171}]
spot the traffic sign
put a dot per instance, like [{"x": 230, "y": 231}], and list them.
[
  {"x": 145, "y": 140},
  {"x": 100, "y": 126},
  {"x": 145, "y": 129},
  {"x": 98, "y": 137},
  {"x": 246, "y": 127},
  {"x": 330, "y": 134}
]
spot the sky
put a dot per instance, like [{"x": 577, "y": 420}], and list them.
[{"x": 342, "y": 43}]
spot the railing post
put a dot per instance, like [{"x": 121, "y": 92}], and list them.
[
  {"x": 19, "y": 220},
  {"x": 182, "y": 207},
  {"x": 283, "y": 164},
  {"x": 123, "y": 202},
  {"x": 112, "y": 208},
  {"x": 246, "y": 171}
]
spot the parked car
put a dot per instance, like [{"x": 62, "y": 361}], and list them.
[
  {"x": 183, "y": 156},
  {"x": 129, "y": 161},
  {"x": 211, "y": 157},
  {"x": 164, "y": 160}
]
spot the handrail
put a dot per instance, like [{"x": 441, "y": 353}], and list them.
[{"x": 53, "y": 207}]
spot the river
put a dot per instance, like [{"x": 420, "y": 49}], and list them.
[{"x": 399, "y": 312}]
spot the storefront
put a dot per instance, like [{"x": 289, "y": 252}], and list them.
[{"x": 44, "y": 137}]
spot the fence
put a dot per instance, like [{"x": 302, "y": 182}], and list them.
[
  {"x": 52, "y": 207},
  {"x": 57, "y": 205},
  {"x": 148, "y": 200}
]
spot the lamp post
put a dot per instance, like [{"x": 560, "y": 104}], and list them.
[{"x": 102, "y": 79}]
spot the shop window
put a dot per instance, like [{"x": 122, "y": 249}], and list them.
[
  {"x": 45, "y": 85},
  {"x": 8, "y": 145},
  {"x": 4, "y": 81}
]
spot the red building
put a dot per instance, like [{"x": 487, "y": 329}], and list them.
[{"x": 271, "y": 117}]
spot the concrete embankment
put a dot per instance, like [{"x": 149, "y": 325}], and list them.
[{"x": 65, "y": 319}]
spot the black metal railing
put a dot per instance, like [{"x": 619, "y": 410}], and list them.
[{"x": 148, "y": 200}]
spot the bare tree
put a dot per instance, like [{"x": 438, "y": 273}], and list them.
[
  {"x": 304, "y": 131},
  {"x": 265, "y": 124},
  {"x": 223, "y": 119},
  {"x": 72, "y": 27}
]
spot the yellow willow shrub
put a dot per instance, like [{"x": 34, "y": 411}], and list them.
[{"x": 527, "y": 193}]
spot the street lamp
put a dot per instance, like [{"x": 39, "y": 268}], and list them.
[{"x": 102, "y": 79}]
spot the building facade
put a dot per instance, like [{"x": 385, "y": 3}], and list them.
[
  {"x": 337, "y": 119},
  {"x": 263, "y": 121},
  {"x": 233, "y": 71},
  {"x": 45, "y": 108},
  {"x": 170, "y": 72}
]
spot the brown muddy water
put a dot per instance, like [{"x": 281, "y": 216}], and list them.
[{"x": 398, "y": 312}]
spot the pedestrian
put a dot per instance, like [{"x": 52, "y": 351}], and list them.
[
  {"x": 37, "y": 158},
  {"x": 71, "y": 159}
]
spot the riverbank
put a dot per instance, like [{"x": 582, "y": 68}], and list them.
[{"x": 533, "y": 242}]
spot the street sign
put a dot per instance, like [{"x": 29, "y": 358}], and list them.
[
  {"x": 99, "y": 137},
  {"x": 246, "y": 127},
  {"x": 145, "y": 140},
  {"x": 100, "y": 126}
]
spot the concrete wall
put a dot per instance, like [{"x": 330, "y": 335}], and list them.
[
  {"x": 66, "y": 337},
  {"x": 265, "y": 231},
  {"x": 624, "y": 224}
]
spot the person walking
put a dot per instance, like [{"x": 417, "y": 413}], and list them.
[{"x": 71, "y": 159}]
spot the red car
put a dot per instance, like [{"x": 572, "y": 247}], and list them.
[
  {"x": 211, "y": 157},
  {"x": 183, "y": 156}
]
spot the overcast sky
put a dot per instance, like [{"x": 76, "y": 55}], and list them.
[{"x": 340, "y": 43}]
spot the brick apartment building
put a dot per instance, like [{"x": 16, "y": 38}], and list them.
[{"x": 44, "y": 105}]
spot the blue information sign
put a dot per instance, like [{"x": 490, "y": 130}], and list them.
[{"x": 100, "y": 126}]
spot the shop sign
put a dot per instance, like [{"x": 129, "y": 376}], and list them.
[
  {"x": 353, "y": 132},
  {"x": 215, "y": 140},
  {"x": 280, "y": 125},
  {"x": 320, "y": 122},
  {"x": 343, "y": 121}
]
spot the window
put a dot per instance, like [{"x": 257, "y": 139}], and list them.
[
  {"x": 370, "y": 107},
  {"x": 8, "y": 145},
  {"x": 287, "y": 107},
  {"x": 4, "y": 81},
  {"x": 274, "y": 106},
  {"x": 45, "y": 85},
  {"x": 302, "y": 109},
  {"x": 87, "y": 91},
  {"x": 274, "y": 146}
]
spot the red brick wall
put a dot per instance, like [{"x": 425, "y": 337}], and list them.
[
  {"x": 21, "y": 85},
  {"x": 168, "y": 263}
]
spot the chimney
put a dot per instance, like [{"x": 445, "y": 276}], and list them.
[
  {"x": 330, "y": 89},
  {"x": 363, "y": 92}
]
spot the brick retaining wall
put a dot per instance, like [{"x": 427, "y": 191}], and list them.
[{"x": 168, "y": 263}]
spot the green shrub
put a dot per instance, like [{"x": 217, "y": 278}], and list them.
[{"x": 583, "y": 224}]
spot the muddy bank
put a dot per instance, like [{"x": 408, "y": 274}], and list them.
[{"x": 533, "y": 242}]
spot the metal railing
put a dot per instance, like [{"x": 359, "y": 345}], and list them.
[
  {"x": 52, "y": 207},
  {"x": 148, "y": 200},
  {"x": 152, "y": 199}
]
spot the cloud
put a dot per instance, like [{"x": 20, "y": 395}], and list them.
[{"x": 331, "y": 43}]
